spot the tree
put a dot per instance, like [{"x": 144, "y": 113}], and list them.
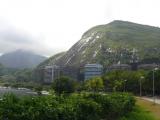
[
  {"x": 121, "y": 79},
  {"x": 24, "y": 75},
  {"x": 148, "y": 84},
  {"x": 63, "y": 85},
  {"x": 118, "y": 84},
  {"x": 95, "y": 84}
]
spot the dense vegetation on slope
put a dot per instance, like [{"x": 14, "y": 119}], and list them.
[
  {"x": 117, "y": 41},
  {"x": 17, "y": 77}
]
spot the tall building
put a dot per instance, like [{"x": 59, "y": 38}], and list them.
[
  {"x": 51, "y": 73},
  {"x": 92, "y": 70}
]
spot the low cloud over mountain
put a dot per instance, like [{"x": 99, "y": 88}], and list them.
[{"x": 12, "y": 39}]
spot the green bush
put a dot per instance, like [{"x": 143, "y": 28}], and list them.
[
  {"x": 86, "y": 106},
  {"x": 113, "y": 105},
  {"x": 87, "y": 110}
]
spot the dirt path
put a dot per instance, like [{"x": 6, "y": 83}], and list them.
[{"x": 147, "y": 105}]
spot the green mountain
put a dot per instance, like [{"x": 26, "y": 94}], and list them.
[
  {"x": 116, "y": 42},
  {"x": 21, "y": 59}
]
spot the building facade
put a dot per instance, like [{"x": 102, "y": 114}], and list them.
[
  {"x": 119, "y": 67},
  {"x": 51, "y": 73},
  {"x": 92, "y": 70},
  {"x": 70, "y": 71}
]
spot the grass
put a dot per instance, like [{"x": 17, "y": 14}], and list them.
[
  {"x": 148, "y": 106},
  {"x": 138, "y": 113},
  {"x": 144, "y": 110}
]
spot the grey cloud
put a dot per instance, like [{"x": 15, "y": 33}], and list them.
[
  {"x": 11, "y": 40},
  {"x": 15, "y": 37}
]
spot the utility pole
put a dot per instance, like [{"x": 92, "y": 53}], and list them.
[
  {"x": 154, "y": 99},
  {"x": 140, "y": 87},
  {"x": 153, "y": 89}
]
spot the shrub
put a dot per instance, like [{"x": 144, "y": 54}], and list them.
[
  {"x": 113, "y": 105},
  {"x": 87, "y": 110}
]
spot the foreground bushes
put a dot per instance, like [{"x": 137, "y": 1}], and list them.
[{"x": 74, "y": 107}]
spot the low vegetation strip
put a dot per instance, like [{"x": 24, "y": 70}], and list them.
[{"x": 82, "y": 106}]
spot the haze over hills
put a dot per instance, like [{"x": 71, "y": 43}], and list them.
[
  {"x": 21, "y": 59},
  {"x": 118, "y": 41}
]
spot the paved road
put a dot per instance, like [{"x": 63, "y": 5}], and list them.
[
  {"x": 20, "y": 91},
  {"x": 157, "y": 100}
]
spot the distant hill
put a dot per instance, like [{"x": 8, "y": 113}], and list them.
[
  {"x": 116, "y": 42},
  {"x": 21, "y": 59}
]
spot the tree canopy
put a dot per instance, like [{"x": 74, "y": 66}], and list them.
[{"x": 63, "y": 85}]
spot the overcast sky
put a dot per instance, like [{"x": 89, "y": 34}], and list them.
[{"x": 50, "y": 26}]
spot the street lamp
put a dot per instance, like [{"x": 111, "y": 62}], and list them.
[
  {"x": 140, "y": 89},
  {"x": 154, "y": 99}
]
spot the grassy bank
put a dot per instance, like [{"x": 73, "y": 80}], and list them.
[
  {"x": 144, "y": 110},
  {"x": 138, "y": 114},
  {"x": 148, "y": 106}
]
